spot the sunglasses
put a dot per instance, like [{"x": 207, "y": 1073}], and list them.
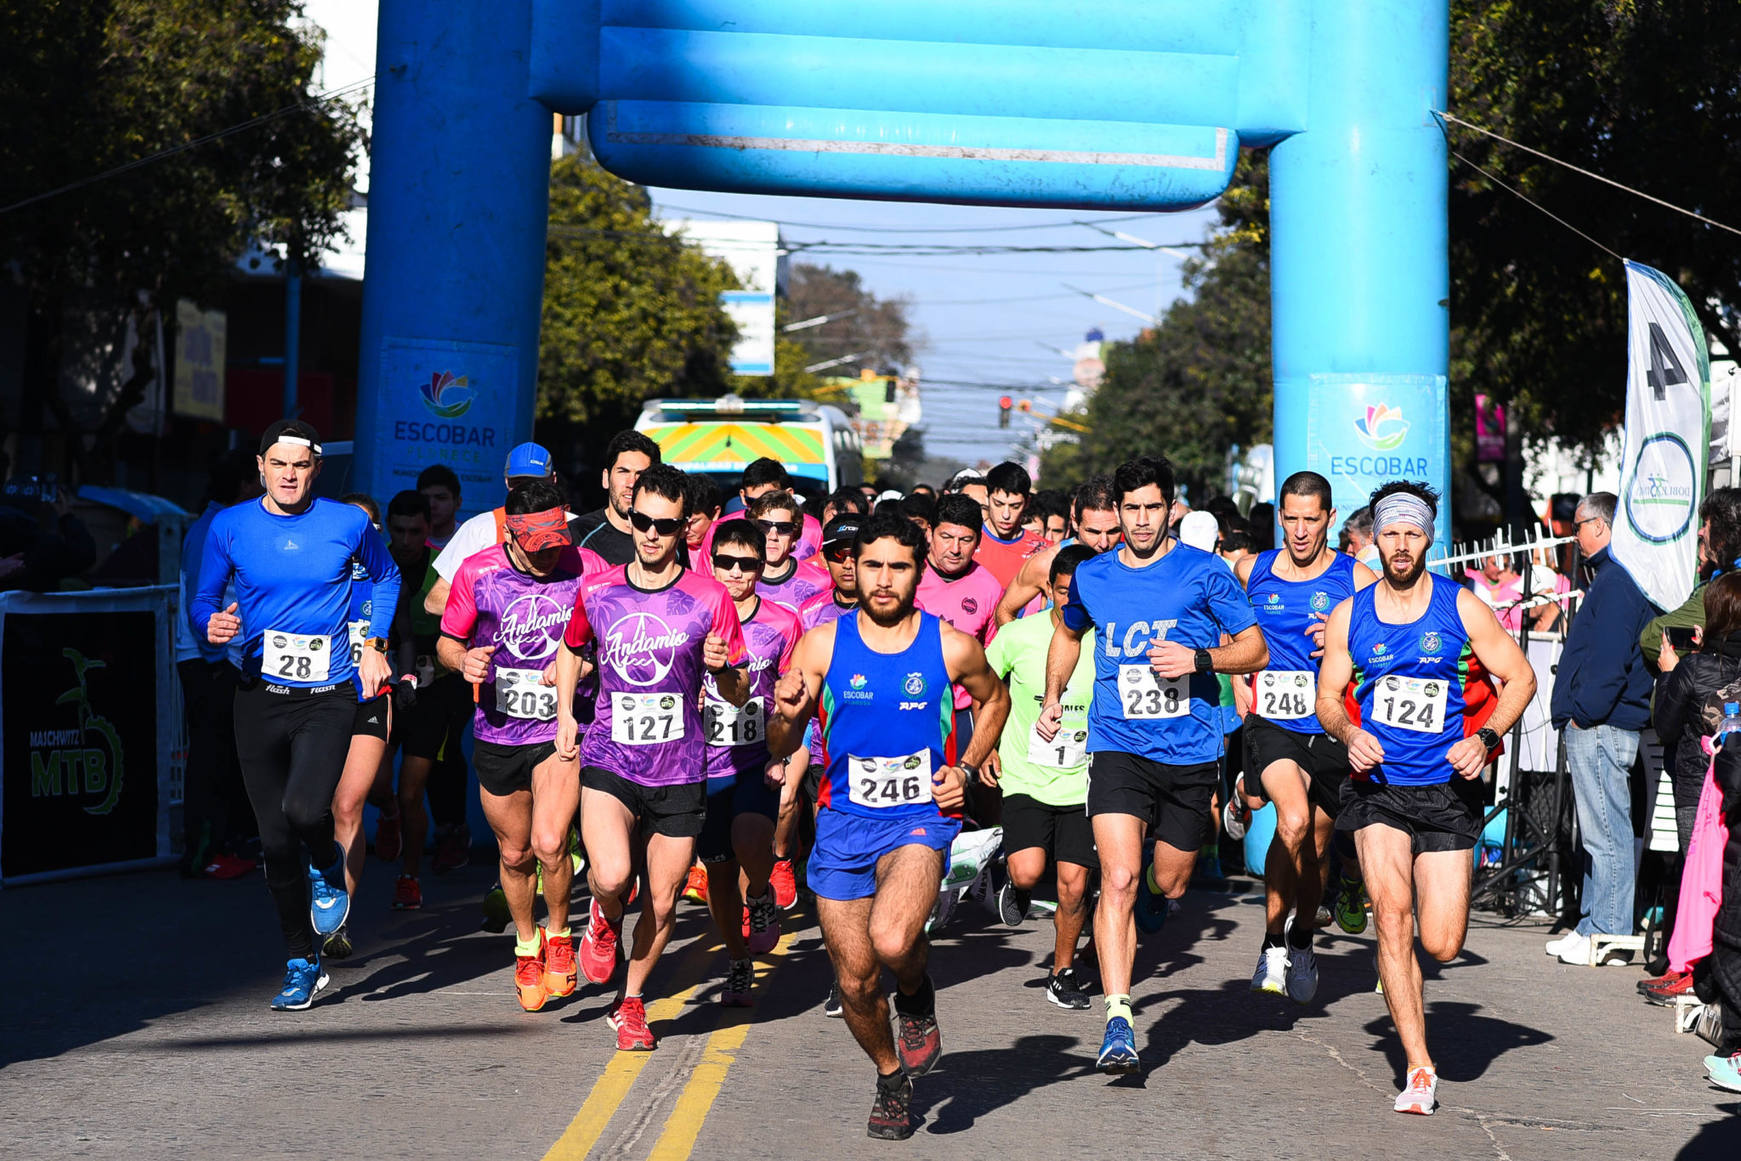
[
  {"x": 725, "y": 562},
  {"x": 782, "y": 527},
  {"x": 643, "y": 522},
  {"x": 838, "y": 555}
]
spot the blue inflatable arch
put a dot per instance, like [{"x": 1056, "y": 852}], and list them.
[{"x": 1127, "y": 104}]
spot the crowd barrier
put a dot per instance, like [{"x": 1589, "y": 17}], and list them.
[{"x": 92, "y": 749}]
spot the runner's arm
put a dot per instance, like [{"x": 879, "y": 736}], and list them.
[
  {"x": 798, "y": 690},
  {"x": 1061, "y": 657},
  {"x": 1029, "y": 582},
  {"x": 969, "y": 669},
  {"x": 435, "y": 602},
  {"x": 214, "y": 573}
]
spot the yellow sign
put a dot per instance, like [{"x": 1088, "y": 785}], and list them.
[{"x": 199, "y": 361}]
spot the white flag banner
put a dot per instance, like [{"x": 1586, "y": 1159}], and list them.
[{"x": 1668, "y": 435}]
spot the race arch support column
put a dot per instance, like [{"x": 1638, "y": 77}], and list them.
[
  {"x": 1359, "y": 270},
  {"x": 458, "y": 198}
]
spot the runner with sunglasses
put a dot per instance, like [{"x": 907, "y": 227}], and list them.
[
  {"x": 658, "y": 627},
  {"x": 785, "y": 579},
  {"x": 742, "y": 798}
]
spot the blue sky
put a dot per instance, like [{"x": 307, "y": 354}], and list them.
[{"x": 981, "y": 319}]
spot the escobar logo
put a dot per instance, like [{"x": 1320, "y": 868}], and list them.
[
  {"x": 531, "y": 626},
  {"x": 642, "y": 648},
  {"x": 85, "y": 760},
  {"x": 855, "y": 688}
]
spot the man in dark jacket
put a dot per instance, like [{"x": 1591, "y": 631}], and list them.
[{"x": 1601, "y": 702}]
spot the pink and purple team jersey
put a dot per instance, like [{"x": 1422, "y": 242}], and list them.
[
  {"x": 737, "y": 736},
  {"x": 821, "y": 609},
  {"x": 805, "y": 582},
  {"x": 494, "y": 605},
  {"x": 967, "y": 602},
  {"x": 647, "y": 726}
]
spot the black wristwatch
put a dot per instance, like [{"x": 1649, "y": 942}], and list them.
[
  {"x": 971, "y": 769},
  {"x": 1488, "y": 738},
  {"x": 1205, "y": 663}
]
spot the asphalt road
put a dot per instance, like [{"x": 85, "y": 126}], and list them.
[{"x": 134, "y": 1023}]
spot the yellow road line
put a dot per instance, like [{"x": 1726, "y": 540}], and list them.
[{"x": 683, "y": 1127}]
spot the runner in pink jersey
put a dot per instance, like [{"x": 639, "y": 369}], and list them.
[
  {"x": 957, "y": 589},
  {"x": 501, "y": 630},
  {"x": 785, "y": 579},
  {"x": 658, "y": 627},
  {"x": 742, "y": 798}
]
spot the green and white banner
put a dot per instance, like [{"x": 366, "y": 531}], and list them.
[{"x": 1668, "y": 428}]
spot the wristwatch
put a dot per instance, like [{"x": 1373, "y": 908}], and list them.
[
  {"x": 378, "y": 644},
  {"x": 1488, "y": 738},
  {"x": 971, "y": 770},
  {"x": 1205, "y": 663}
]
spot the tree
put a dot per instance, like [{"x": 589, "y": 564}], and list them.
[
  {"x": 630, "y": 312},
  {"x": 89, "y": 86},
  {"x": 1198, "y": 382},
  {"x": 871, "y": 328}
]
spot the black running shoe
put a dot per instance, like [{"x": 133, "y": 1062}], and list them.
[
  {"x": 831, "y": 1006},
  {"x": 1065, "y": 990},
  {"x": 1012, "y": 904},
  {"x": 890, "y": 1118}
]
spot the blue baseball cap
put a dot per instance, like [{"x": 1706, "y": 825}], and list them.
[{"x": 528, "y": 460}]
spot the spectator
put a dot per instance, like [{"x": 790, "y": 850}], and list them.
[
  {"x": 1601, "y": 701},
  {"x": 41, "y": 542},
  {"x": 1358, "y": 526},
  {"x": 1719, "y": 551}
]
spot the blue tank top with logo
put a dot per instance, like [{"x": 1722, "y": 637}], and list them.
[
  {"x": 1419, "y": 687},
  {"x": 885, "y": 719},
  {"x": 1285, "y": 691}
]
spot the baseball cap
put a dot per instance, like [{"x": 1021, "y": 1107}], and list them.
[
  {"x": 529, "y": 459},
  {"x": 1200, "y": 530},
  {"x": 841, "y": 530},
  {"x": 292, "y": 431}
]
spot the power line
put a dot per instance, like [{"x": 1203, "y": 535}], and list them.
[{"x": 877, "y": 229}]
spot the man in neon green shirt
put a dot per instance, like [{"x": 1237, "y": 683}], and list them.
[{"x": 1045, "y": 784}]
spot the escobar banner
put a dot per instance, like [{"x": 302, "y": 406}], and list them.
[
  {"x": 79, "y": 740},
  {"x": 1668, "y": 427},
  {"x": 1366, "y": 430}
]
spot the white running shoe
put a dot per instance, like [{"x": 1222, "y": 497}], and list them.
[
  {"x": 1575, "y": 949},
  {"x": 1302, "y": 975},
  {"x": 1421, "y": 1094},
  {"x": 1555, "y": 946},
  {"x": 1272, "y": 971}
]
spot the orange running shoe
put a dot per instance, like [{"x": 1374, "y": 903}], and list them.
[
  {"x": 529, "y": 977},
  {"x": 784, "y": 880},
  {"x": 630, "y": 1023},
  {"x": 559, "y": 975},
  {"x": 695, "y": 887},
  {"x": 598, "y": 947}
]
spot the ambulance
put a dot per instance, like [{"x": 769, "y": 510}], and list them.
[{"x": 815, "y": 442}]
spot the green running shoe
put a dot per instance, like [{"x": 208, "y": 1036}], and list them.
[
  {"x": 496, "y": 915},
  {"x": 575, "y": 854},
  {"x": 1350, "y": 907}
]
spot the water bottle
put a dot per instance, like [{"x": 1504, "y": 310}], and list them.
[{"x": 1731, "y": 721}]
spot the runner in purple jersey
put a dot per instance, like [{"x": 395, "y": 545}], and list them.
[
  {"x": 742, "y": 798},
  {"x": 657, "y": 628},
  {"x": 506, "y": 612},
  {"x": 785, "y": 579}
]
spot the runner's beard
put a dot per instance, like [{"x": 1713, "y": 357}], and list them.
[
  {"x": 903, "y": 610},
  {"x": 1407, "y": 580}
]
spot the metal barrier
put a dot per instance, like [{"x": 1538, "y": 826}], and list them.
[{"x": 92, "y": 742}]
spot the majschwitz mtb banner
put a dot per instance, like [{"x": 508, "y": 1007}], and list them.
[{"x": 1668, "y": 430}]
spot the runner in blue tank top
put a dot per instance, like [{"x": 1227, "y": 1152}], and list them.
[
  {"x": 1417, "y": 651},
  {"x": 1161, "y": 611},
  {"x": 1289, "y": 760},
  {"x": 880, "y": 679}
]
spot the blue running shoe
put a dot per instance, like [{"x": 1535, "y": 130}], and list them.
[
  {"x": 1118, "y": 1051},
  {"x": 328, "y": 906},
  {"x": 1725, "y": 1071},
  {"x": 1151, "y": 905},
  {"x": 303, "y": 981}
]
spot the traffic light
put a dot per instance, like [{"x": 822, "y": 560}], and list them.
[{"x": 1003, "y": 411}]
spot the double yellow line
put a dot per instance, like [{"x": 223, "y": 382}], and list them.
[{"x": 683, "y": 1126}]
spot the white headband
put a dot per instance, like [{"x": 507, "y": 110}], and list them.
[{"x": 1403, "y": 508}]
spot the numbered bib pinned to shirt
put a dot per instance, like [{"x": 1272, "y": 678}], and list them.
[
  {"x": 882, "y": 783},
  {"x": 1411, "y": 703},
  {"x": 295, "y": 656},
  {"x": 521, "y": 693},
  {"x": 1286, "y": 695},
  {"x": 1067, "y": 750},
  {"x": 730, "y": 725},
  {"x": 1145, "y": 695},
  {"x": 359, "y": 634},
  {"x": 646, "y": 719}
]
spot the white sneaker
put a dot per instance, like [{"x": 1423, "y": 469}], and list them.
[
  {"x": 1272, "y": 971},
  {"x": 1555, "y": 946},
  {"x": 1575, "y": 949},
  {"x": 1421, "y": 1095},
  {"x": 1302, "y": 975}
]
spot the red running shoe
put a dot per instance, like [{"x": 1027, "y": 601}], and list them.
[
  {"x": 598, "y": 947},
  {"x": 629, "y": 1021},
  {"x": 529, "y": 978},
  {"x": 695, "y": 887},
  {"x": 407, "y": 894},
  {"x": 559, "y": 978},
  {"x": 784, "y": 882},
  {"x": 228, "y": 867},
  {"x": 1664, "y": 989}
]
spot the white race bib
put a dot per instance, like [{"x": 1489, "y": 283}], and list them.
[
  {"x": 1067, "y": 750},
  {"x": 646, "y": 719},
  {"x": 730, "y": 725},
  {"x": 295, "y": 656},
  {"x": 521, "y": 693},
  {"x": 1410, "y": 703},
  {"x": 359, "y": 634},
  {"x": 1287, "y": 695},
  {"x": 880, "y": 783},
  {"x": 1146, "y": 695}
]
